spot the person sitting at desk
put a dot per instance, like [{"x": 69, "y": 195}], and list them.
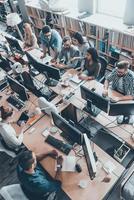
[
  {"x": 91, "y": 65},
  {"x": 36, "y": 182},
  {"x": 10, "y": 139},
  {"x": 121, "y": 80},
  {"x": 81, "y": 42},
  {"x": 68, "y": 52},
  {"x": 50, "y": 39},
  {"x": 30, "y": 40}
]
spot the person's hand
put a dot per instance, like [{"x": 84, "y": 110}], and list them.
[
  {"x": 42, "y": 56},
  {"x": 59, "y": 160},
  {"x": 73, "y": 59},
  {"x": 105, "y": 93},
  {"x": 60, "y": 66},
  {"x": 84, "y": 78},
  {"x": 53, "y": 60},
  {"x": 53, "y": 154}
]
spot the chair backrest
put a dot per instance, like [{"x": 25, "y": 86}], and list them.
[
  {"x": 13, "y": 192},
  {"x": 103, "y": 63}
]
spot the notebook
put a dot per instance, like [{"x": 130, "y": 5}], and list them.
[
  {"x": 76, "y": 79},
  {"x": 68, "y": 165}
]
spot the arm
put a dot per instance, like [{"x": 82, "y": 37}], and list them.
[{"x": 42, "y": 156}]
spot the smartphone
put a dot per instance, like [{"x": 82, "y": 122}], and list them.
[{"x": 23, "y": 118}]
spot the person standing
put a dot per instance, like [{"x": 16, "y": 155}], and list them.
[{"x": 50, "y": 40}]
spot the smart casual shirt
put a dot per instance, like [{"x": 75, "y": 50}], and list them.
[
  {"x": 55, "y": 42},
  {"x": 37, "y": 184},
  {"x": 127, "y": 82},
  {"x": 67, "y": 53},
  {"x": 9, "y": 135}
]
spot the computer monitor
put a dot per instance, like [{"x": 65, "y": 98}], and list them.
[
  {"x": 121, "y": 108},
  {"x": 89, "y": 156},
  {"x": 70, "y": 132},
  {"x": 51, "y": 73},
  {"x": 14, "y": 44},
  {"x": 94, "y": 98},
  {"x": 17, "y": 88},
  {"x": 5, "y": 64}
]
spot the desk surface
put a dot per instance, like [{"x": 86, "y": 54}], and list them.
[{"x": 96, "y": 189}]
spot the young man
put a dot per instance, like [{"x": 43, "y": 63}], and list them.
[
  {"x": 67, "y": 53},
  {"x": 35, "y": 182},
  {"x": 50, "y": 39},
  {"x": 122, "y": 80}
]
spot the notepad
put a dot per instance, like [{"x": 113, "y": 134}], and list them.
[
  {"x": 109, "y": 167},
  {"x": 75, "y": 79},
  {"x": 68, "y": 165}
]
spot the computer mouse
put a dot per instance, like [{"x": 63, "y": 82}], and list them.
[
  {"x": 78, "y": 168},
  {"x": 113, "y": 101}
]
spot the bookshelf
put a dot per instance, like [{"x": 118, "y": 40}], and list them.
[{"x": 114, "y": 45}]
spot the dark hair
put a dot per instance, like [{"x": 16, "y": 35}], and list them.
[
  {"x": 123, "y": 64},
  {"x": 93, "y": 53},
  {"x": 46, "y": 29},
  {"x": 25, "y": 160},
  {"x": 66, "y": 38},
  {"x": 78, "y": 36},
  {"x": 4, "y": 113}
]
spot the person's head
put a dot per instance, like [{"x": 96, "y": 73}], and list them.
[
  {"x": 27, "y": 28},
  {"x": 46, "y": 30},
  {"x": 92, "y": 55},
  {"x": 67, "y": 42},
  {"x": 6, "y": 112},
  {"x": 122, "y": 68},
  {"x": 27, "y": 160},
  {"x": 77, "y": 38}
]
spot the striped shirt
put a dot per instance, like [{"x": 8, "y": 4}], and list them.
[{"x": 127, "y": 81}]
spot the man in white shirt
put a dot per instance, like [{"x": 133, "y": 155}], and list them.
[{"x": 7, "y": 131}]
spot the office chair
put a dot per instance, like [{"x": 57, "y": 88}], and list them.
[{"x": 103, "y": 63}]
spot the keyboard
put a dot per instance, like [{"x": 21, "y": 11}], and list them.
[
  {"x": 58, "y": 144},
  {"x": 15, "y": 102}
]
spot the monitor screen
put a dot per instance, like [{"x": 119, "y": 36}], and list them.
[
  {"x": 121, "y": 108},
  {"x": 73, "y": 134},
  {"x": 52, "y": 72},
  {"x": 18, "y": 88},
  {"x": 89, "y": 156},
  {"x": 5, "y": 64},
  {"x": 14, "y": 44},
  {"x": 97, "y": 100}
]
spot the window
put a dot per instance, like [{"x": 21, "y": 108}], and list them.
[{"x": 111, "y": 7}]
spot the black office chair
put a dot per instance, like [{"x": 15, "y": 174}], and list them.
[{"x": 103, "y": 68}]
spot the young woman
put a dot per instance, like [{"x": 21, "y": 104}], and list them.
[
  {"x": 30, "y": 40},
  {"x": 7, "y": 132},
  {"x": 91, "y": 67},
  {"x": 81, "y": 42}
]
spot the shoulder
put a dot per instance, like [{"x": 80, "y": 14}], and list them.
[
  {"x": 130, "y": 74},
  {"x": 75, "y": 48},
  {"x": 55, "y": 33}
]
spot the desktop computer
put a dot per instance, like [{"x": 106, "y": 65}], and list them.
[
  {"x": 14, "y": 45},
  {"x": 89, "y": 156},
  {"x": 95, "y": 102},
  {"x": 70, "y": 133},
  {"x": 20, "y": 91},
  {"x": 51, "y": 73}
]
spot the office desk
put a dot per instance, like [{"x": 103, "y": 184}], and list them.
[
  {"x": 123, "y": 131},
  {"x": 95, "y": 189}
]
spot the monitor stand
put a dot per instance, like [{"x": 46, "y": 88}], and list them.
[
  {"x": 51, "y": 82},
  {"x": 125, "y": 119},
  {"x": 91, "y": 109}
]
